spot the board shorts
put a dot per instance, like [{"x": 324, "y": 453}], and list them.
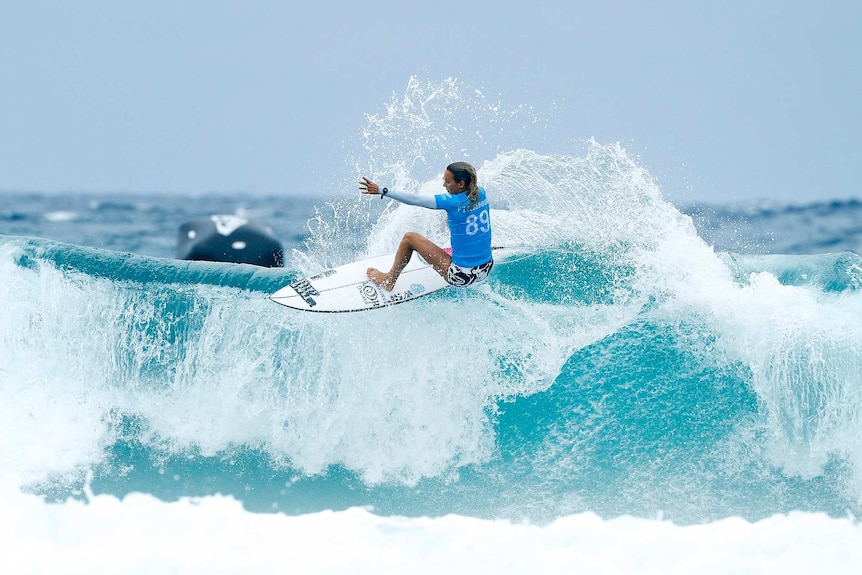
[{"x": 462, "y": 277}]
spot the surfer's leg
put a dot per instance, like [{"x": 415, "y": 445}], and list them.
[{"x": 411, "y": 242}]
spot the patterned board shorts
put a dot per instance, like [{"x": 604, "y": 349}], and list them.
[{"x": 462, "y": 277}]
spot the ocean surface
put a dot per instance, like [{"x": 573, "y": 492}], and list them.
[{"x": 643, "y": 387}]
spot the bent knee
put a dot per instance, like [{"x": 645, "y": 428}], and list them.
[{"x": 412, "y": 238}]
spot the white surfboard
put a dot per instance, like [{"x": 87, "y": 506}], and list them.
[{"x": 346, "y": 288}]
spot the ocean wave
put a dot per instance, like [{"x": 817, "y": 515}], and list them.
[{"x": 617, "y": 364}]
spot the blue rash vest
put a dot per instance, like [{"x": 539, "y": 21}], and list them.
[{"x": 469, "y": 229}]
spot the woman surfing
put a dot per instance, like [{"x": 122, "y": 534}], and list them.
[{"x": 468, "y": 214}]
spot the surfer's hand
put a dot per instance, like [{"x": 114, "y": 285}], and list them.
[{"x": 368, "y": 187}]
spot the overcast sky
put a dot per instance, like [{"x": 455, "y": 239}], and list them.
[{"x": 721, "y": 101}]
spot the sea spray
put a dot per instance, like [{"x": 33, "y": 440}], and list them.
[{"x": 618, "y": 364}]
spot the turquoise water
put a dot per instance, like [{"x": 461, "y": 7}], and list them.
[{"x": 630, "y": 358}]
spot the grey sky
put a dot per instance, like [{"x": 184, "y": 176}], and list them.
[{"x": 733, "y": 100}]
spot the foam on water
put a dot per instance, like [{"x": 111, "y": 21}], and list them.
[
  {"x": 141, "y": 534},
  {"x": 191, "y": 360},
  {"x": 616, "y": 365}
]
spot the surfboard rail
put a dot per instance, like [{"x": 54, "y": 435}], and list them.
[{"x": 346, "y": 288}]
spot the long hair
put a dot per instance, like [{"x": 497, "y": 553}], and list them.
[{"x": 464, "y": 172}]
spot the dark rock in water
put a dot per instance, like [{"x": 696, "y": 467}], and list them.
[{"x": 225, "y": 238}]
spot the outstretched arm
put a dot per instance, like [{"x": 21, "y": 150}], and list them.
[{"x": 369, "y": 187}]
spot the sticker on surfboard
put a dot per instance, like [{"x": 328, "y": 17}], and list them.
[{"x": 347, "y": 288}]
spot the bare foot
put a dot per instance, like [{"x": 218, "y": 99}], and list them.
[{"x": 384, "y": 280}]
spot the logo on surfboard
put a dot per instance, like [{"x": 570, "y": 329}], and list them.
[
  {"x": 306, "y": 291},
  {"x": 323, "y": 274},
  {"x": 373, "y": 295},
  {"x": 370, "y": 293}
]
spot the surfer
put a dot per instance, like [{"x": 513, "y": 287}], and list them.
[{"x": 469, "y": 260}]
